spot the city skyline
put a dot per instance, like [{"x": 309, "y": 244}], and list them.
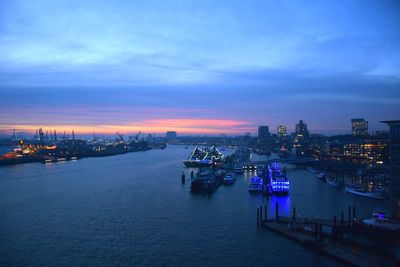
[
  {"x": 198, "y": 67},
  {"x": 160, "y": 130}
]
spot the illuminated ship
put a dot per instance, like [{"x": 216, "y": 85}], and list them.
[
  {"x": 204, "y": 157},
  {"x": 278, "y": 181},
  {"x": 256, "y": 184}
]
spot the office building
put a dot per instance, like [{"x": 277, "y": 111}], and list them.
[
  {"x": 359, "y": 127},
  {"x": 171, "y": 136},
  {"x": 394, "y": 167},
  {"x": 281, "y": 130},
  {"x": 264, "y": 137}
]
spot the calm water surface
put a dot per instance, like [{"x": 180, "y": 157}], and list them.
[{"x": 133, "y": 210}]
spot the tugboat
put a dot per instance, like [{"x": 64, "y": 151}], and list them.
[
  {"x": 278, "y": 181},
  {"x": 256, "y": 184},
  {"x": 204, "y": 157}
]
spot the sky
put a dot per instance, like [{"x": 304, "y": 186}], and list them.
[{"x": 198, "y": 67}]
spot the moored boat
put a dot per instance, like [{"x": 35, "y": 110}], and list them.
[
  {"x": 321, "y": 175},
  {"x": 204, "y": 157},
  {"x": 312, "y": 170},
  {"x": 229, "y": 178},
  {"x": 204, "y": 181},
  {"x": 380, "y": 226},
  {"x": 377, "y": 194},
  {"x": 255, "y": 184},
  {"x": 278, "y": 181},
  {"x": 238, "y": 168},
  {"x": 333, "y": 182}
]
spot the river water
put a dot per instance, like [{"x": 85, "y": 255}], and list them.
[{"x": 132, "y": 209}]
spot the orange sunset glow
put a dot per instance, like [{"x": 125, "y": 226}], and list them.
[{"x": 182, "y": 125}]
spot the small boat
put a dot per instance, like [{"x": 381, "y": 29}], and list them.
[
  {"x": 256, "y": 184},
  {"x": 260, "y": 172},
  {"x": 229, "y": 178},
  {"x": 380, "y": 226},
  {"x": 238, "y": 168},
  {"x": 377, "y": 194},
  {"x": 333, "y": 182},
  {"x": 321, "y": 175},
  {"x": 312, "y": 170}
]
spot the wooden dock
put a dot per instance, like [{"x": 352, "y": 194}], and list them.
[{"x": 326, "y": 237}]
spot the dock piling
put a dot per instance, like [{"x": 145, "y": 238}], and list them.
[
  {"x": 334, "y": 226},
  {"x": 294, "y": 214},
  {"x": 349, "y": 219},
  {"x": 265, "y": 212},
  {"x": 183, "y": 177},
  {"x": 261, "y": 214},
  {"x": 320, "y": 233},
  {"x": 354, "y": 213},
  {"x": 342, "y": 219},
  {"x": 276, "y": 212},
  {"x": 258, "y": 217}
]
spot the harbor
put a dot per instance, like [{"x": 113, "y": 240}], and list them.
[
  {"x": 99, "y": 206},
  {"x": 343, "y": 238},
  {"x": 48, "y": 148},
  {"x": 354, "y": 241}
]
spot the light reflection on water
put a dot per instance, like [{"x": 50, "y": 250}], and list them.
[{"x": 132, "y": 209}]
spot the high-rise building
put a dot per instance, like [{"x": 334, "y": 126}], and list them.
[
  {"x": 171, "y": 136},
  {"x": 263, "y": 132},
  {"x": 359, "y": 127},
  {"x": 301, "y": 129},
  {"x": 394, "y": 167},
  {"x": 281, "y": 130},
  {"x": 264, "y": 137},
  {"x": 301, "y": 139}
]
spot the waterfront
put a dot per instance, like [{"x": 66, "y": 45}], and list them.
[{"x": 132, "y": 209}]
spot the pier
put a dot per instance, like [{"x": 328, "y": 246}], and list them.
[{"x": 334, "y": 238}]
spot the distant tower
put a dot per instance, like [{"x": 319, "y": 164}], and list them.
[
  {"x": 14, "y": 136},
  {"x": 281, "y": 130},
  {"x": 55, "y": 136},
  {"x": 359, "y": 127},
  {"x": 41, "y": 135},
  {"x": 73, "y": 135}
]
